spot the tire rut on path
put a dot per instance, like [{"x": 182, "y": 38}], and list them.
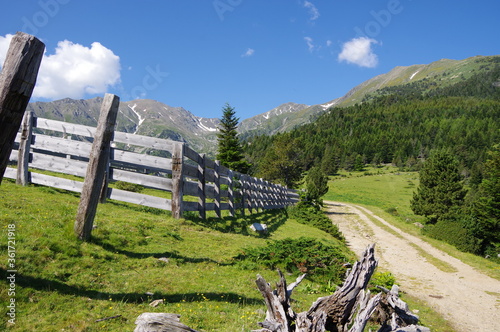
[{"x": 467, "y": 298}]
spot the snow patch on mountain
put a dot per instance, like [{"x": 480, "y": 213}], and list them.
[
  {"x": 141, "y": 119},
  {"x": 413, "y": 75}
]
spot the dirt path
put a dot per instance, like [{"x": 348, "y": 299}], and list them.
[{"x": 467, "y": 298}]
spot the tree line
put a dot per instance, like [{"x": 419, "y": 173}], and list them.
[
  {"x": 450, "y": 133},
  {"x": 400, "y": 128}
]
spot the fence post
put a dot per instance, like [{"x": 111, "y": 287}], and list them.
[
  {"x": 250, "y": 193},
  {"x": 243, "y": 193},
  {"x": 96, "y": 168},
  {"x": 177, "y": 180},
  {"x": 17, "y": 82},
  {"x": 230, "y": 192},
  {"x": 201, "y": 187},
  {"x": 217, "y": 188},
  {"x": 23, "y": 154}
]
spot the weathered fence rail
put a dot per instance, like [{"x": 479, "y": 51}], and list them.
[{"x": 195, "y": 182}]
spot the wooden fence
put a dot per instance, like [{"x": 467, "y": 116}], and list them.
[{"x": 195, "y": 182}]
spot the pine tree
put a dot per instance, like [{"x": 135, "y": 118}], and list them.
[
  {"x": 440, "y": 190},
  {"x": 281, "y": 162},
  {"x": 486, "y": 207},
  {"x": 230, "y": 151},
  {"x": 316, "y": 186}
]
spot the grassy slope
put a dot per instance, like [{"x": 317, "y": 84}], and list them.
[
  {"x": 387, "y": 193},
  {"x": 63, "y": 284}
]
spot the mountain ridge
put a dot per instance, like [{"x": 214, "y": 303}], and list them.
[{"x": 153, "y": 118}]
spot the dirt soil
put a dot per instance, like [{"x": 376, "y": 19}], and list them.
[{"x": 468, "y": 299}]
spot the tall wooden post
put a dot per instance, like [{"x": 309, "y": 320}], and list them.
[
  {"x": 201, "y": 187},
  {"x": 217, "y": 188},
  {"x": 23, "y": 156},
  {"x": 177, "y": 180},
  {"x": 97, "y": 166},
  {"x": 17, "y": 82},
  {"x": 230, "y": 192}
]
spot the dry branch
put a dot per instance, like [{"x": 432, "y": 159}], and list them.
[
  {"x": 347, "y": 310},
  {"x": 160, "y": 322}
]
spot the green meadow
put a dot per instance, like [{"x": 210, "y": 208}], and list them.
[{"x": 138, "y": 255}]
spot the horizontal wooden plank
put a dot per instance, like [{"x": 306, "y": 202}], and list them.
[
  {"x": 14, "y": 155},
  {"x": 58, "y": 164},
  {"x": 190, "y": 206},
  {"x": 190, "y": 171},
  {"x": 55, "y": 182},
  {"x": 140, "y": 199},
  {"x": 191, "y": 154},
  {"x": 142, "y": 159},
  {"x": 190, "y": 188},
  {"x": 61, "y": 145},
  {"x": 144, "y": 141},
  {"x": 10, "y": 173},
  {"x": 65, "y": 127},
  {"x": 151, "y": 181}
]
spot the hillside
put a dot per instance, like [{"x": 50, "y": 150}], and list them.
[
  {"x": 153, "y": 118},
  {"x": 438, "y": 74},
  {"x": 137, "y": 255}
]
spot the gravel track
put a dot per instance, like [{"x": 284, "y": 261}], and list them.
[{"x": 469, "y": 299}]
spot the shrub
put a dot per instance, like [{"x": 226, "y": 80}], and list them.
[
  {"x": 322, "y": 262},
  {"x": 136, "y": 188},
  {"x": 454, "y": 233}
]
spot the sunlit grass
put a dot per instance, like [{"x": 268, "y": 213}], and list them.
[{"x": 66, "y": 284}]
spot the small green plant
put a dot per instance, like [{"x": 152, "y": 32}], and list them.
[{"x": 382, "y": 279}]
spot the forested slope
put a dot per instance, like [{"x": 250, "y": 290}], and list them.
[
  {"x": 400, "y": 125},
  {"x": 454, "y": 127}
]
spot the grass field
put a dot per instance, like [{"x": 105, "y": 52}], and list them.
[
  {"x": 66, "y": 285},
  {"x": 387, "y": 192}
]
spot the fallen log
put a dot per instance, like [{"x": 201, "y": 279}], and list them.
[{"x": 160, "y": 322}]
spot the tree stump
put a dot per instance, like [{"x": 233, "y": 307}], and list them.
[{"x": 336, "y": 312}]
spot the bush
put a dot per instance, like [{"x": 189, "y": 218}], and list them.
[
  {"x": 122, "y": 185},
  {"x": 322, "y": 262},
  {"x": 454, "y": 233}
]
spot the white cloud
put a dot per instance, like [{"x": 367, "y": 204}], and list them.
[
  {"x": 310, "y": 43},
  {"x": 74, "y": 70},
  {"x": 359, "y": 51},
  {"x": 313, "y": 11},
  {"x": 329, "y": 43},
  {"x": 4, "y": 47},
  {"x": 248, "y": 53}
]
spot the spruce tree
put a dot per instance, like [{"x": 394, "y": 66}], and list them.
[
  {"x": 230, "y": 151},
  {"x": 440, "y": 190},
  {"x": 316, "y": 186}
]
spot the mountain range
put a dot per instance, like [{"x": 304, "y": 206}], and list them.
[{"x": 153, "y": 118}]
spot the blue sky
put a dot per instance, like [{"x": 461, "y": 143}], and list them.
[{"x": 253, "y": 54}]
